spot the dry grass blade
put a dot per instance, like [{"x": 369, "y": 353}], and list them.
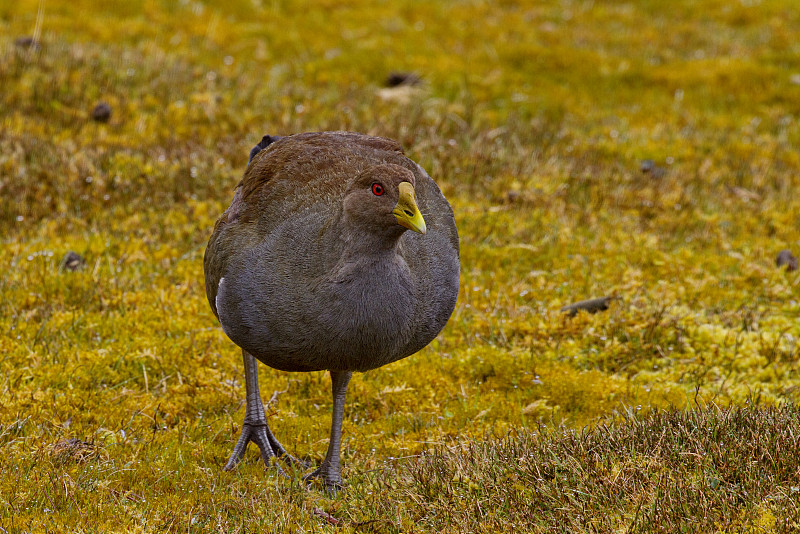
[{"x": 326, "y": 516}]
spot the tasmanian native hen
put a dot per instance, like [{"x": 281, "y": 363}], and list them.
[{"x": 312, "y": 268}]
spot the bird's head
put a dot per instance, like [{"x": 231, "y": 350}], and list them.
[{"x": 383, "y": 199}]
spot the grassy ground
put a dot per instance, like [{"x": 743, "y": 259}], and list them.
[{"x": 121, "y": 398}]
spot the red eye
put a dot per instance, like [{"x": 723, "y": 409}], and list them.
[{"x": 377, "y": 189}]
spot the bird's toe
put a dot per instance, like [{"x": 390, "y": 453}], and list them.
[
  {"x": 332, "y": 479},
  {"x": 256, "y": 434}
]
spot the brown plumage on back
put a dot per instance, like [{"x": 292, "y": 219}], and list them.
[{"x": 311, "y": 267}]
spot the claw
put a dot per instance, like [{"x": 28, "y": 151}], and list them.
[
  {"x": 258, "y": 435},
  {"x": 270, "y": 448},
  {"x": 280, "y": 452}
]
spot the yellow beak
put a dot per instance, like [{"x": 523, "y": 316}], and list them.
[{"x": 406, "y": 210}]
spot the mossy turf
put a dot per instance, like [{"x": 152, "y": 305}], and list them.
[{"x": 121, "y": 398}]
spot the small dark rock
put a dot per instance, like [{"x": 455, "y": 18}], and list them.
[
  {"x": 27, "y": 42},
  {"x": 786, "y": 258},
  {"x": 72, "y": 261},
  {"x": 649, "y": 166},
  {"x": 402, "y": 78},
  {"x": 101, "y": 112},
  {"x": 590, "y": 306}
]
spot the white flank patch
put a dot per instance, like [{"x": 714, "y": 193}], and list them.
[{"x": 217, "y": 303}]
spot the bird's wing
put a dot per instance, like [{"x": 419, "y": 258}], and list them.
[{"x": 268, "y": 193}]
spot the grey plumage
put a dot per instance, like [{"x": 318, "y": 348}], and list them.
[{"x": 318, "y": 274}]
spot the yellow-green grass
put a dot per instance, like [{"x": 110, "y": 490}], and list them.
[{"x": 120, "y": 397}]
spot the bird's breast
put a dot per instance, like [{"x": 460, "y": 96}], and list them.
[{"x": 366, "y": 315}]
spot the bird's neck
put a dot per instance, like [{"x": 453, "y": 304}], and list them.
[
  {"x": 371, "y": 246},
  {"x": 369, "y": 256}
]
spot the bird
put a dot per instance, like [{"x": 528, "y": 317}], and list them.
[{"x": 337, "y": 253}]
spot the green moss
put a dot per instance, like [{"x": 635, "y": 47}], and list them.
[{"x": 120, "y": 397}]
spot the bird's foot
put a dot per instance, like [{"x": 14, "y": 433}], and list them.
[
  {"x": 281, "y": 452},
  {"x": 270, "y": 447},
  {"x": 330, "y": 477}
]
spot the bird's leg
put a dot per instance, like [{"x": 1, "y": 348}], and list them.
[
  {"x": 255, "y": 427},
  {"x": 329, "y": 470}
]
